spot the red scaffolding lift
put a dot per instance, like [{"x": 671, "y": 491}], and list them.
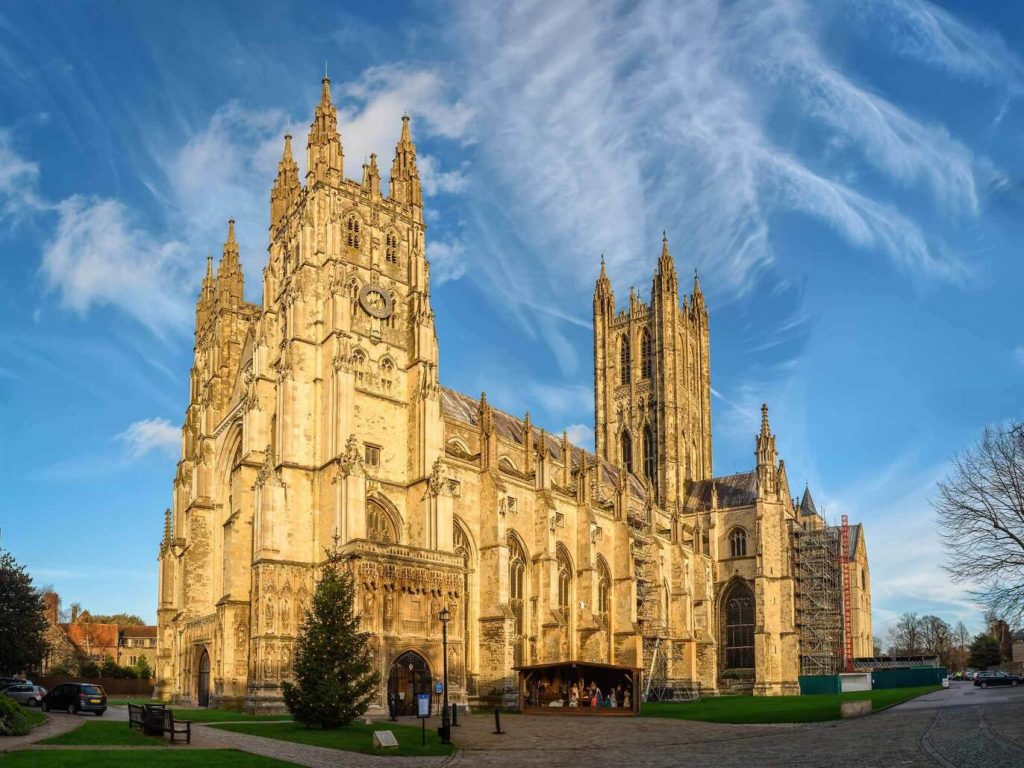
[{"x": 844, "y": 567}]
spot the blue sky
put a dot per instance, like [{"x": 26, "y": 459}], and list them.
[{"x": 847, "y": 181}]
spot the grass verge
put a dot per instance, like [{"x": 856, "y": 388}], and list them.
[
  {"x": 96, "y": 733},
  {"x": 224, "y": 716},
  {"x": 355, "y": 737},
  {"x": 125, "y": 702},
  {"x": 779, "y": 709},
  {"x": 35, "y": 716},
  {"x": 169, "y": 758}
]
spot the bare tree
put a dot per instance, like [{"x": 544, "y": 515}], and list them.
[
  {"x": 980, "y": 509},
  {"x": 906, "y": 636}
]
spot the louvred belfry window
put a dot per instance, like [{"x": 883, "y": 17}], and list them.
[
  {"x": 646, "y": 355},
  {"x": 624, "y": 360}
]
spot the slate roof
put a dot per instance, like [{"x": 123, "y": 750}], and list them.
[
  {"x": 460, "y": 407},
  {"x": 739, "y": 490},
  {"x": 855, "y": 531},
  {"x": 807, "y": 503}
]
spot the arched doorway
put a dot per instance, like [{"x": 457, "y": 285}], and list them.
[
  {"x": 738, "y": 626},
  {"x": 410, "y": 675},
  {"x": 203, "y": 681}
]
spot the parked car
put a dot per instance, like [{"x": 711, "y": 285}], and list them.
[
  {"x": 998, "y": 677},
  {"x": 7, "y": 682},
  {"x": 27, "y": 694},
  {"x": 75, "y": 698}
]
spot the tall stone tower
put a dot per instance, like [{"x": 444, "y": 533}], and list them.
[{"x": 652, "y": 382}]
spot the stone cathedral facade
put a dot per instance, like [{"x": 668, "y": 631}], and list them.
[{"x": 317, "y": 414}]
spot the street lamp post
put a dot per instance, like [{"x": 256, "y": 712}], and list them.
[{"x": 445, "y": 731}]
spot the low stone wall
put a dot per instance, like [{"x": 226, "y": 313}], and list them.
[{"x": 855, "y": 708}]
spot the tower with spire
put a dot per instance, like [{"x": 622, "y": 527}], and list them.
[{"x": 652, "y": 382}]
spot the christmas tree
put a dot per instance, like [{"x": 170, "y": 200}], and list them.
[{"x": 334, "y": 675}]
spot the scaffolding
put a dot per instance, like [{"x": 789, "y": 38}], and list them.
[
  {"x": 648, "y": 613},
  {"x": 819, "y": 598}
]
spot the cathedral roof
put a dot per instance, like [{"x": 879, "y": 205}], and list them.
[
  {"x": 739, "y": 490},
  {"x": 460, "y": 407},
  {"x": 807, "y": 503}
]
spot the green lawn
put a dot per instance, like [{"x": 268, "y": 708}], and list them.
[
  {"x": 146, "y": 758},
  {"x": 778, "y": 709},
  {"x": 356, "y": 737},
  {"x": 203, "y": 714},
  {"x": 105, "y": 733},
  {"x": 34, "y": 715}
]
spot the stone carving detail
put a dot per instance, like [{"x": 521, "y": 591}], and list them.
[
  {"x": 436, "y": 481},
  {"x": 351, "y": 460}
]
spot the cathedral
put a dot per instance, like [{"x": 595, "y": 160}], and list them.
[{"x": 317, "y": 416}]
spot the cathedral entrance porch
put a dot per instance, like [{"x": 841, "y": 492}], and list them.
[{"x": 409, "y": 676}]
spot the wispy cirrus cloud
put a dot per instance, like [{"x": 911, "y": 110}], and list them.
[
  {"x": 627, "y": 119},
  {"x": 147, "y": 435}
]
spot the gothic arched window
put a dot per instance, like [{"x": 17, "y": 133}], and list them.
[
  {"x": 379, "y": 525},
  {"x": 738, "y": 542},
  {"x": 627, "y": 451},
  {"x": 352, "y": 290},
  {"x": 624, "y": 358},
  {"x": 646, "y": 355},
  {"x": 517, "y": 593},
  {"x": 391, "y": 248},
  {"x": 738, "y": 626},
  {"x": 650, "y": 456},
  {"x": 604, "y": 590},
  {"x": 352, "y": 232},
  {"x": 564, "y": 584}
]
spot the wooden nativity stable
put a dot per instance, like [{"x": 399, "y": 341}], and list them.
[{"x": 565, "y": 688}]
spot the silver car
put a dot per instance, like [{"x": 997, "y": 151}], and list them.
[{"x": 26, "y": 694}]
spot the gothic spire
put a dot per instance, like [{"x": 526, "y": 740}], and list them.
[
  {"x": 230, "y": 280},
  {"x": 604, "y": 299},
  {"x": 766, "y": 456},
  {"x": 286, "y": 187},
  {"x": 326, "y": 160},
  {"x": 665, "y": 280},
  {"x": 371, "y": 177},
  {"x": 207, "y": 296},
  {"x": 405, "y": 177}
]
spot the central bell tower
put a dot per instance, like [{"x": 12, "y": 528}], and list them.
[{"x": 652, "y": 382}]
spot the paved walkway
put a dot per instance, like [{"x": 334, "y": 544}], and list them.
[{"x": 950, "y": 729}]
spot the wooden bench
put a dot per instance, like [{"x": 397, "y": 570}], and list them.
[{"x": 174, "y": 727}]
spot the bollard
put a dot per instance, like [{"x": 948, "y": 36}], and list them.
[
  {"x": 455, "y": 715},
  {"x": 497, "y": 721}
]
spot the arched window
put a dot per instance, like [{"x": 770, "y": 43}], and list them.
[
  {"x": 646, "y": 355},
  {"x": 352, "y": 232},
  {"x": 624, "y": 361},
  {"x": 379, "y": 525},
  {"x": 564, "y": 584},
  {"x": 352, "y": 290},
  {"x": 517, "y": 593},
  {"x": 391, "y": 248},
  {"x": 650, "y": 456},
  {"x": 738, "y": 542},
  {"x": 738, "y": 624},
  {"x": 604, "y": 590},
  {"x": 627, "y": 451},
  {"x": 462, "y": 549}
]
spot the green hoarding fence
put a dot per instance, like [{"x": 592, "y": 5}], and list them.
[
  {"x": 815, "y": 684},
  {"x": 905, "y": 678}
]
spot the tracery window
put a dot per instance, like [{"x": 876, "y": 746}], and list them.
[
  {"x": 564, "y": 584},
  {"x": 391, "y": 248},
  {"x": 646, "y": 355},
  {"x": 517, "y": 591},
  {"x": 739, "y": 627},
  {"x": 379, "y": 525},
  {"x": 352, "y": 289},
  {"x": 650, "y": 456},
  {"x": 604, "y": 591},
  {"x": 627, "y": 451},
  {"x": 461, "y": 547},
  {"x": 352, "y": 232},
  {"x": 738, "y": 542},
  {"x": 624, "y": 358}
]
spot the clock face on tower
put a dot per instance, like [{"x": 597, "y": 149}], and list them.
[{"x": 376, "y": 303}]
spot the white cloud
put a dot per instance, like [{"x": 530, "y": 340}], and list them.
[
  {"x": 600, "y": 125},
  {"x": 581, "y": 435},
  {"x": 447, "y": 260},
  {"x": 147, "y": 435},
  {"x": 435, "y": 181},
  {"x": 19, "y": 181},
  {"x": 97, "y": 257}
]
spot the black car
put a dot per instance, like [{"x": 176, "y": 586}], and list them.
[
  {"x": 76, "y": 697},
  {"x": 985, "y": 679}
]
